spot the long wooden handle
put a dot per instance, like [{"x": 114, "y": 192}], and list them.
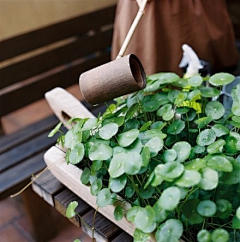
[{"x": 132, "y": 29}]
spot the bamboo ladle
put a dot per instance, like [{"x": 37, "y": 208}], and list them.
[{"x": 119, "y": 77}]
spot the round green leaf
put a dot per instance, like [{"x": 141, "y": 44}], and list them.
[
  {"x": 224, "y": 208},
  {"x": 232, "y": 177},
  {"x": 232, "y": 142},
  {"x": 189, "y": 209},
  {"x": 161, "y": 214},
  {"x": 131, "y": 213},
  {"x": 176, "y": 127},
  {"x": 104, "y": 197},
  {"x": 169, "y": 155},
  {"x": 236, "y": 222},
  {"x": 204, "y": 236},
  {"x": 206, "y": 208},
  {"x": 100, "y": 152},
  {"x": 209, "y": 92},
  {"x": 145, "y": 219},
  {"x": 76, "y": 155},
  {"x": 206, "y": 137},
  {"x": 168, "y": 77},
  {"x": 133, "y": 163},
  {"x": 195, "y": 81},
  {"x": 220, "y": 130},
  {"x": 118, "y": 184},
  {"x": 129, "y": 191},
  {"x": 150, "y": 103},
  {"x": 152, "y": 87},
  {"x": 89, "y": 124},
  {"x": 169, "y": 198},
  {"x": 108, "y": 131},
  {"x": 172, "y": 95},
  {"x": 195, "y": 164},
  {"x": 117, "y": 164},
  {"x": 140, "y": 236},
  {"x": 220, "y": 163},
  {"x": 70, "y": 212},
  {"x": 168, "y": 116},
  {"x": 220, "y": 235},
  {"x": 209, "y": 179},
  {"x": 127, "y": 138},
  {"x": 146, "y": 193},
  {"x": 96, "y": 165},
  {"x": 216, "y": 147},
  {"x": 221, "y": 79},
  {"x": 236, "y": 108},
  {"x": 96, "y": 186},
  {"x": 215, "y": 110},
  {"x": 117, "y": 120},
  {"x": 118, "y": 213},
  {"x": 85, "y": 177},
  {"x": 164, "y": 110},
  {"x": 171, "y": 230},
  {"x": 155, "y": 144},
  {"x": 202, "y": 122},
  {"x": 170, "y": 170},
  {"x": 189, "y": 178},
  {"x": 183, "y": 150},
  {"x": 198, "y": 149}
]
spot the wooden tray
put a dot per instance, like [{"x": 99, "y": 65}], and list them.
[{"x": 64, "y": 104}]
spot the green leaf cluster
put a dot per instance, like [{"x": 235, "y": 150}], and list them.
[{"x": 172, "y": 152}]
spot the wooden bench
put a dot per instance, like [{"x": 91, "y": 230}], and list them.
[{"x": 32, "y": 64}]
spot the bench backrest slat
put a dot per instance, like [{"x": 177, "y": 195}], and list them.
[
  {"x": 30, "y": 41},
  {"x": 51, "y": 59},
  {"x": 85, "y": 44},
  {"x": 22, "y": 96}
]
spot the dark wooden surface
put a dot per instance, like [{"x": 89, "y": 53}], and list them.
[
  {"x": 58, "y": 196},
  {"x": 85, "y": 46},
  {"x": 21, "y": 154},
  {"x": 56, "y": 32}
]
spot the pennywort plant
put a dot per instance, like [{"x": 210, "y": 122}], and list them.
[{"x": 172, "y": 151}]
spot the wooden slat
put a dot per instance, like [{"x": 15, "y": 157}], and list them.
[
  {"x": 47, "y": 186},
  {"x": 28, "y": 68},
  {"x": 123, "y": 237},
  {"x": 104, "y": 229},
  {"x": 25, "y": 151},
  {"x": 56, "y": 32},
  {"x": 13, "y": 180},
  {"x": 10, "y": 141},
  {"x": 64, "y": 198},
  {"x": 35, "y": 90}
]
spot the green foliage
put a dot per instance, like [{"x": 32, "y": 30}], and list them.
[{"x": 172, "y": 153}]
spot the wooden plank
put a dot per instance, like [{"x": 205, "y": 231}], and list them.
[
  {"x": 62, "y": 200},
  {"x": 81, "y": 47},
  {"x": 56, "y": 32},
  {"x": 47, "y": 186},
  {"x": 26, "y": 150},
  {"x": 35, "y": 90},
  {"x": 104, "y": 230},
  {"x": 13, "y": 180},
  {"x": 123, "y": 237},
  {"x": 10, "y": 141}
]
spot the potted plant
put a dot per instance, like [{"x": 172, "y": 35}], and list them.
[{"x": 172, "y": 152}]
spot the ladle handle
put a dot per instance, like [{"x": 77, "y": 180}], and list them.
[{"x": 132, "y": 29}]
